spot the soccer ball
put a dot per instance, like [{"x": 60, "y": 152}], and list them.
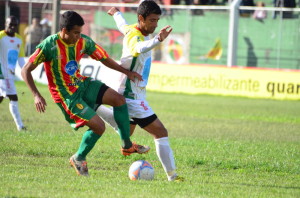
[{"x": 141, "y": 170}]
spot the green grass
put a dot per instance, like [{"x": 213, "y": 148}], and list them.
[{"x": 224, "y": 147}]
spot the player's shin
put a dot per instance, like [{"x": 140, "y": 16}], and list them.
[
  {"x": 165, "y": 155},
  {"x": 122, "y": 119},
  {"x": 88, "y": 141},
  {"x": 14, "y": 110}
]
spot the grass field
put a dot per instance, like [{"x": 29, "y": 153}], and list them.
[{"x": 224, "y": 147}]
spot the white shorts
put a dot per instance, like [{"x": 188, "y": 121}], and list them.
[
  {"x": 7, "y": 87},
  {"x": 138, "y": 108}
]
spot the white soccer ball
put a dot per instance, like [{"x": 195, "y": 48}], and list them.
[{"x": 141, "y": 170}]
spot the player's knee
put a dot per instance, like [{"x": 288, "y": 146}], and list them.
[
  {"x": 163, "y": 133},
  {"x": 99, "y": 129},
  {"x": 119, "y": 100}
]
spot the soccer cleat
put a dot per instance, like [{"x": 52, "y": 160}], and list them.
[
  {"x": 79, "y": 166},
  {"x": 23, "y": 128},
  {"x": 176, "y": 178},
  {"x": 135, "y": 148}
]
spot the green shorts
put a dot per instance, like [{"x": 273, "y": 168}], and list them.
[{"x": 79, "y": 108}]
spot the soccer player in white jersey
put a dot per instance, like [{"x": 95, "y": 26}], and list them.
[
  {"x": 136, "y": 56},
  {"x": 11, "y": 52}
]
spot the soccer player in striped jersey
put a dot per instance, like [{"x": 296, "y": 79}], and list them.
[
  {"x": 11, "y": 52},
  {"x": 136, "y": 56},
  {"x": 79, "y": 96}
]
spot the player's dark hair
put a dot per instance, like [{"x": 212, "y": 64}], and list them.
[
  {"x": 69, "y": 19},
  {"x": 148, "y": 7}
]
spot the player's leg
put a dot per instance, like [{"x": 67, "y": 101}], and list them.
[
  {"x": 120, "y": 114},
  {"x": 163, "y": 149},
  {"x": 107, "y": 114},
  {"x": 10, "y": 91},
  {"x": 14, "y": 110},
  {"x": 90, "y": 137},
  {"x": 73, "y": 112}
]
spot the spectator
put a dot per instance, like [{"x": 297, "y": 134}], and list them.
[
  {"x": 260, "y": 14},
  {"x": 46, "y": 29},
  {"x": 33, "y": 36},
  {"x": 286, "y": 4}
]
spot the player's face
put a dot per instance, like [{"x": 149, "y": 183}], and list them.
[
  {"x": 11, "y": 26},
  {"x": 149, "y": 24},
  {"x": 72, "y": 36}
]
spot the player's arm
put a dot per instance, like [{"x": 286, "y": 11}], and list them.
[
  {"x": 100, "y": 54},
  {"x": 118, "y": 17},
  {"x": 115, "y": 66},
  {"x": 145, "y": 46},
  {"x": 39, "y": 101}
]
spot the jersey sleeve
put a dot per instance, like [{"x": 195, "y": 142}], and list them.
[
  {"x": 137, "y": 44},
  {"x": 121, "y": 22},
  {"x": 39, "y": 56},
  {"x": 94, "y": 50}
]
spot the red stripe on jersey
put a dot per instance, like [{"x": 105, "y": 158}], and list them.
[
  {"x": 64, "y": 58},
  {"x": 78, "y": 55},
  {"x": 37, "y": 57}
]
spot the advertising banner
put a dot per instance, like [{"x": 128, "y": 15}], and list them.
[{"x": 202, "y": 79}]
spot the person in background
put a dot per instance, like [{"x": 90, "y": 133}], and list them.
[
  {"x": 260, "y": 14},
  {"x": 33, "y": 35},
  {"x": 76, "y": 95},
  {"x": 11, "y": 52},
  {"x": 46, "y": 29},
  {"x": 136, "y": 56}
]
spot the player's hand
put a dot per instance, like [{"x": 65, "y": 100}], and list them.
[
  {"x": 164, "y": 33},
  {"x": 40, "y": 103},
  {"x": 133, "y": 75},
  {"x": 112, "y": 11}
]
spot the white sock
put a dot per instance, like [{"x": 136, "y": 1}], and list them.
[
  {"x": 107, "y": 114},
  {"x": 14, "y": 110},
  {"x": 165, "y": 155}
]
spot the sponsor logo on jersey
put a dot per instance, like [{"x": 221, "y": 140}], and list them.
[{"x": 71, "y": 67}]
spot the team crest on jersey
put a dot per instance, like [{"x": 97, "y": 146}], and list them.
[
  {"x": 71, "y": 67},
  {"x": 79, "y": 106}
]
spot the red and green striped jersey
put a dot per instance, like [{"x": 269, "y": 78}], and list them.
[{"x": 61, "y": 63}]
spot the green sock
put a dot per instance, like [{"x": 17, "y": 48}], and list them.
[
  {"x": 88, "y": 141},
  {"x": 122, "y": 119}
]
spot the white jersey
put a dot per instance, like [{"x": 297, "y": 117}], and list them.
[
  {"x": 11, "y": 49},
  {"x": 136, "y": 56}
]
